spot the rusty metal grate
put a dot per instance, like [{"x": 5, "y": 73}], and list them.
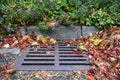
[{"x": 62, "y": 59}]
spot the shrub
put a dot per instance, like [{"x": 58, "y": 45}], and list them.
[
  {"x": 100, "y": 19},
  {"x": 43, "y": 27},
  {"x": 100, "y": 13}
]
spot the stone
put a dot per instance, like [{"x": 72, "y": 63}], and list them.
[
  {"x": 87, "y": 30},
  {"x": 14, "y": 78},
  {"x": 36, "y": 79},
  {"x": 58, "y": 78},
  {"x": 8, "y": 50},
  {"x": 22, "y": 30},
  {"x": 34, "y": 29},
  {"x": 62, "y": 32}
]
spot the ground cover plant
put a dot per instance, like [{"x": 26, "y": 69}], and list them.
[{"x": 100, "y": 13}]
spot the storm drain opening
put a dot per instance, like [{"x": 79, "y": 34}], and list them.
[{"x": 61, "y": 59}]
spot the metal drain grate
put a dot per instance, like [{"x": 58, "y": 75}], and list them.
[{"x": 62, "y": 59}]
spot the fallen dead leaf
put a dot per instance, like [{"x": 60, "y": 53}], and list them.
[{"x": 49, "y": 52}]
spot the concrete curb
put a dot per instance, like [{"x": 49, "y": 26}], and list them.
[{"x": 62, "y": 32}]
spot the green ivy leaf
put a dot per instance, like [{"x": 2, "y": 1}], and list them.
[
  {"x": 96, "y": 24},
  {"x": 102, "y": 23},
  {"x": 109, "y": 20}
]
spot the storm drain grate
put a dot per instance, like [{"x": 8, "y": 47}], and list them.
[{"x": 61, "y": 59}]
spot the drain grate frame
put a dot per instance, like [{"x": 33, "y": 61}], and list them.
[{"x": 62, "y": 59}]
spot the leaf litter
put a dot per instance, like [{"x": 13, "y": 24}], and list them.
[{"x": 102, "y": 49}]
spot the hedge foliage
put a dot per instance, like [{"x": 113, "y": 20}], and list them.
[{"x": 100, "y": 13}]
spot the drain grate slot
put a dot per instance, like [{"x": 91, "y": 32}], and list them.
[
  {"x": 74, "y": 64},
  {"x": 62, "y": 59},
  {"x": 67, "y": 47},
  {"x": 38, "y": 59},
  {"x": 39, "y": 55},
  {"x": 62, "y": 45},
  {"x": 43, "y": 49},
  {"x": 71, "y": 55},
  {"x": 60, "y": 52},
  {"x": 37, "y": 64},
  {"x": 43, "y": 52},
  {"x": 63, "y": 52},
  {"x": 66, "y": 54},
  {"x": 72, "y": 59}
]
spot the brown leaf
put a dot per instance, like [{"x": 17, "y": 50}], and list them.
[
  {"x": 90, "y": 77},
  {"x": 49, "y": 52},
  {"x": 52, "y": 41},
  {"x": 7, "y": 75}
]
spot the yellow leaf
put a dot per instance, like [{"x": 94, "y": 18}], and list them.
[
  {"x": 91, "y": 38},
  {"x": 51, "y": 24},
  {"x": 6, "y": 46},
  {"x": 44, "y": 40},
  {"x": 39, "y": 37},
  {"x": 34, "y": 43},
  {"x": 82, "y": 46},
  {"x": 25, "y": 37},
  {"x": 68, "y": 45},
  {"x": 112, "y": 59},
  {"x": 101, "y": 63},
  {"x": 16, "y": 42},
  {"x": 52, "y": 41},
  {"x": 49, "y": 52},
  {"x": 90, "y": 34},
  {"x": 97, "y": 42}
]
